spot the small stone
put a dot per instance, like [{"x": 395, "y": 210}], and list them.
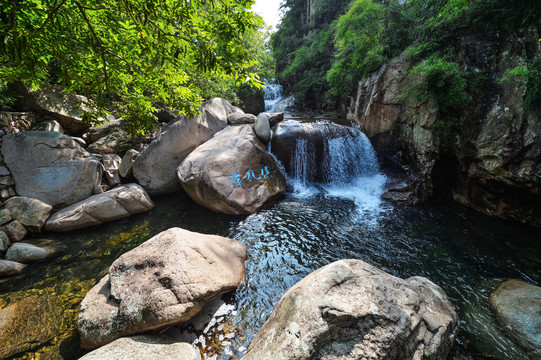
[
  {"x": 4, "y": 241},
  {"x": 111, "y": 165},
  {"x": 9, "y": 268},
  {"x": 5, "y": 215},
  {"x": 4, "y": 171},
  {"x": 6, "y": 180},
  {"x": 25, "y": 253},
  {"x": 15, "y": 231},
  {"x": 126, "y": 163}
]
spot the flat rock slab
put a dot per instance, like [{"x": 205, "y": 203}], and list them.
[
  {"x": 144, "y": 347},
  {"x": 518, "y": 308},
  {"x": 31, "y": 213},
  {"x": 9, "y": 268},
  {"x": 232, "y": 173},
  {"x": 26, "y": 253},
  {"x": 162, "y": 282},
  {"x": 51, "y": 167},
  {"x": 352, "y": 310},
  {"x": 240, "y": 118},
  {"x": 118, "y": 203},
  {"x": 155, "y": 168}
]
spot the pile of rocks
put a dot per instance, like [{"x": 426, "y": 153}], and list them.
[{"x": 19, "y": 216}]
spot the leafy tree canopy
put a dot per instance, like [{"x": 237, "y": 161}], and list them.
[{"x": 129, "y": 52}]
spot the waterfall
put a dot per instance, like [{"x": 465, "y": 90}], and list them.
[
  {"x": 273, "y": 94},
  {"x": 338, "y": 160}
]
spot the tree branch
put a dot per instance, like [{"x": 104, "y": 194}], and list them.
[
  {"x": 50, "y": 17},
  {"x": 98, "y": 42}
]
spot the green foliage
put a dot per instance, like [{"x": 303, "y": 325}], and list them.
[
  {"x": 6, "y": 100},
  {"x": 531, "y": 77},
  {"x": 443, "y": 81},
  {"x": 357, "y": 41},
  {"x": 129, "y": 51}
]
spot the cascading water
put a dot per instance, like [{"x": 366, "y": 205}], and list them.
[
  {"x": 338, "y": 161},
  {"x": 273, "y": 94}
]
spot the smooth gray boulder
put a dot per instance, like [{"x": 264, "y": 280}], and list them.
[
  {"x": 517, "y": 305},
  {"x": 240, "y": 118},
  {"x": 232, "y": 173},
  {"x": 262, "y": 128},
  {"x": 10, "y": 268},
  {"x": 155, "y": 168},
  {"x": 118, "y": 203},
  {"x": 352, "y": 310},
  {"x": 14, "y": 230},
  {"x": 111, "y": 166},
  {"x": 26, "y": 253},
  {"x": 50, "y": 167},
  {"x": 144, "y": 347},
  {"x": 50, "y": 99},
  {"x": 31, "y": 213},
  {"x": 162, "y": 282}
]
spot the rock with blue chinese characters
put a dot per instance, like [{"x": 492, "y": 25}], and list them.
[
  {"x": 232, "y": 173},
  {"x": 51, "y": 167}
]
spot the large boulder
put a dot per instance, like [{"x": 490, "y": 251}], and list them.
[
  {"x": 517, "y": 305},
  {"x": 232, "y": 173},
  {"x": 126, "y": 164},
  {"x": 118, "y": 203},
  {"x": 351, "y": 310},
  {"x": 144, "y": 347},
  {"x": 51, "y": 100},
  {"x": 31, "y": 213},
  {"x": 51, "y": 167},
  {"x": 164, "y": 281},
  {"x": 155, "y": 167}
]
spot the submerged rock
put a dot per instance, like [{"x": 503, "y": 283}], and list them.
[
  {"x": 144, "y": 347},
  {"x": 31, "y": 213},
  {"x": 118, "y": 203},
  {"x": 518, "y": 308},
  {"x": 155, "y": 168},
  {"x": 351, "y": 310},
  {"x": 26, "y": 253},
  {"x": 29, "y": 323},
  {"x": 164, "y": 281},
  {"x": 232, "y": 173},
  {"x": 50, "y": 167}
]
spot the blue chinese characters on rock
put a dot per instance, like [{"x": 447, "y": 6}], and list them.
[{"x": 236, "y": 180}]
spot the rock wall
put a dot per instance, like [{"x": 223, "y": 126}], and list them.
[{"x": 493, "y": 163}]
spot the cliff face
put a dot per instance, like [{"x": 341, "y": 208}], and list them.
[{"x": 493, "y": 162}]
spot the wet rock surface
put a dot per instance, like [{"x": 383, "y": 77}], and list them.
[
  {"x": 164, "y": 281},
  {"x": 232, "y": 173},
  {"x": 9, "y": 268},
  {"x": 517, "y": 305},
  {"x": 351, "y": 310},
  {"x": 26, "y": 253}
]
